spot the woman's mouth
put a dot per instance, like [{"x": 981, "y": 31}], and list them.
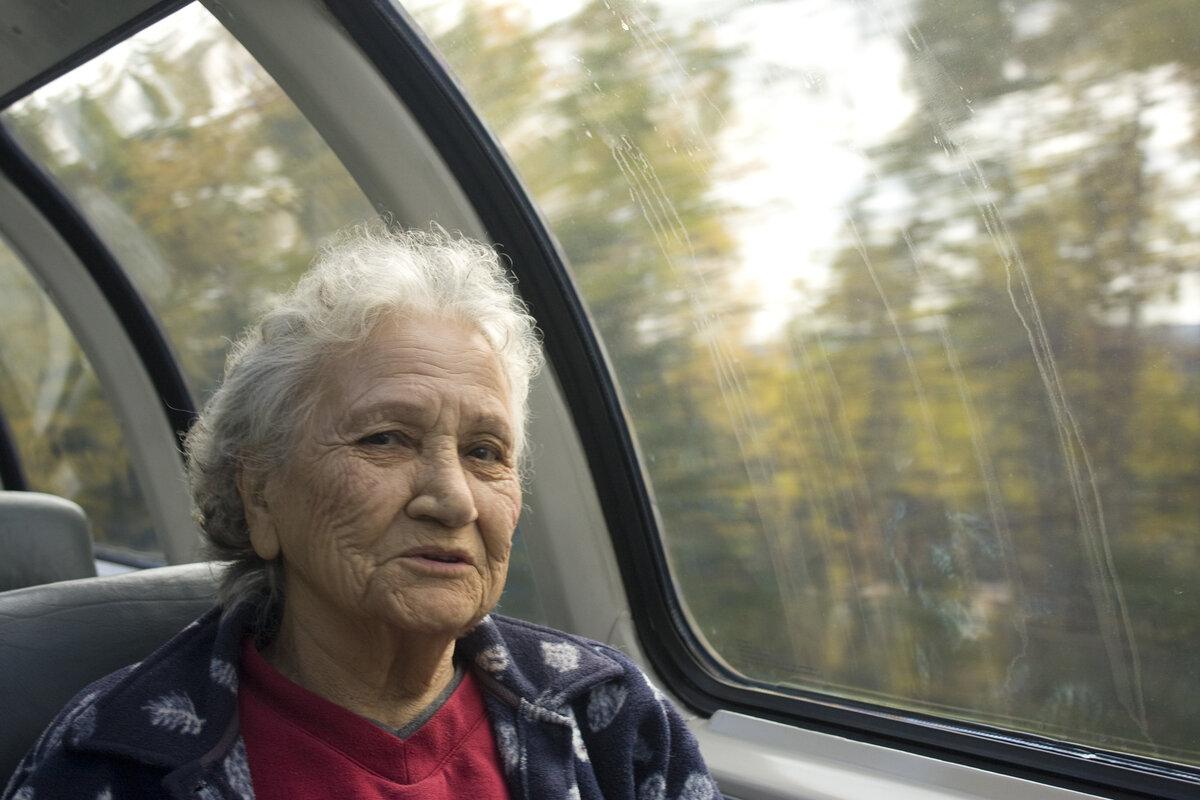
[{"x": 436, "y": 558}]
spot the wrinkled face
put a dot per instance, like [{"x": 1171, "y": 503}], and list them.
[{"x": 399, "y": 502}]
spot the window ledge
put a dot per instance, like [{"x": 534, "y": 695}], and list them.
[{"x": 756, "y": 759}]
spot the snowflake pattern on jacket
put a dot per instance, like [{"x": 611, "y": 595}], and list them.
[{"x": 572, "y": 718}]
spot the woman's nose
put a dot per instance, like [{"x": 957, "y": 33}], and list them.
[{"x": 441, "y": 492}]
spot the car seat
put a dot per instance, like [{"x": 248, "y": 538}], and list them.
[
  {"x": 57, "y": 638},
  {"x": 43, "y": 538}
]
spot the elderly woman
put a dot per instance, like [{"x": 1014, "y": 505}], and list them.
[{"x": 358, "y": 471}]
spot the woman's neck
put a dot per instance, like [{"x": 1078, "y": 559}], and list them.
[{"x": 371, "y": 672}]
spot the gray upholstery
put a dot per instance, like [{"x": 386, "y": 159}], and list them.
[
  {"x": 56, "y": 639},
  {"x": 43, "y": 538}
]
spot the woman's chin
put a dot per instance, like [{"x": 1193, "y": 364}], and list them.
[{"x": 435, "y": 613}]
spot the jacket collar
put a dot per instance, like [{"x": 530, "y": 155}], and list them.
[
  {"x": 176, "y": 706},
  {"x": 539, "y": 665}
]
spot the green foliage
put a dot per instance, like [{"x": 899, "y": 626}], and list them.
[{"x": 1026, "y": 437}]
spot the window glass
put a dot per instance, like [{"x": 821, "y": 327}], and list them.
[
  {"x": 208, "y": 185},
  {"x": 904, "y": 303},
  {"x": 199, "y": 174},
  {"x": 61, "y": 422}
]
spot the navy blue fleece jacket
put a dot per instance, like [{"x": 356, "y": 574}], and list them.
[{"x": 572, "y": 719}]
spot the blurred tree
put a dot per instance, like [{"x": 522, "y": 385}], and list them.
[{"x": 993, "y": 360}]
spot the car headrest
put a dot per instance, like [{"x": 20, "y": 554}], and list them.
[
  {"x": 57, "y": 638},
  {"x": 44, "y": 538}
]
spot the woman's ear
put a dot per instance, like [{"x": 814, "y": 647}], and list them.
[{"x": 251, "y": 486}]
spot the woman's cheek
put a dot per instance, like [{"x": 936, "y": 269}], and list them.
[{"x": 514, "y": 500}]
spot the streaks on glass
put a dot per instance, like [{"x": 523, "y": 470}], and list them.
[
  {"x": 1103, "y": 582},
  {"x": 902, "y": 303}
]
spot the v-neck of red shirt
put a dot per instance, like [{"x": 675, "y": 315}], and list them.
[{"x": 300, "y": 740}]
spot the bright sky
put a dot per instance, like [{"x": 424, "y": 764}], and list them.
[
  {"x": 812, "y": 92},
  {"x": 818, "y": 94}
]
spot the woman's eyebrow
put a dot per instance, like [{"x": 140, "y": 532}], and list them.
[
  {"x": 491, "y": 422},
  {"x": 413, "y": 411},
  {"x": 401, "y": 410}
]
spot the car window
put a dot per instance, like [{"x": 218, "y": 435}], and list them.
[
  {"x": 904, "y": 305},
  {"x": 207, "y": 184},
  {"x": 61, "y": 423},
  {"x": 197, "y": 171}
]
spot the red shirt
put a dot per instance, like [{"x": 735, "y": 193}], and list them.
[{"x": 301, "y": 746}]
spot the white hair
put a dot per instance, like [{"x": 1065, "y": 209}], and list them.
[{"x": 274, "y": 372}]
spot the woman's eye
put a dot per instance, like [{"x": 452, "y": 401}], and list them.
[
  {"x": 382, "y": 439},
  {"x": 485, "y": 452}
]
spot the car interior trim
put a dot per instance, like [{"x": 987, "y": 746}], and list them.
[{"x": 42, "y": 41}]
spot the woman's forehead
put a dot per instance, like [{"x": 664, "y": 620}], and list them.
[{"x": 407, "y": 366}]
